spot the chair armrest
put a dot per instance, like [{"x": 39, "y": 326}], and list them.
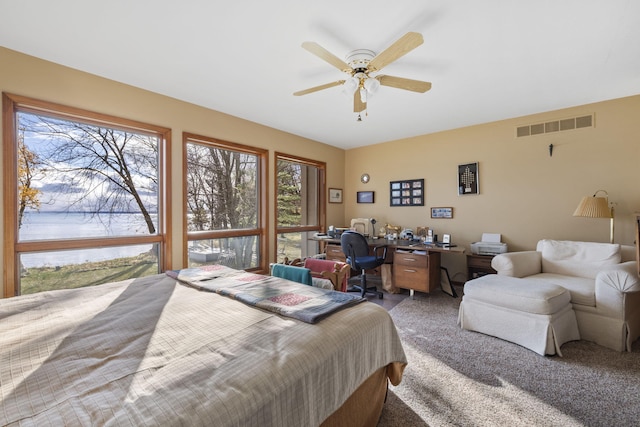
[
  {"x": 337, "y": 276},
  {"x": 518, "y": 264},
  {"x": 384, "y": 253}
]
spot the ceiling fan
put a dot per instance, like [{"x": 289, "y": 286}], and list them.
[{"x": 362, "y": 63}]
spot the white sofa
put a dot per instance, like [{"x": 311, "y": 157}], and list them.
[{"x": 602, "y": 279}]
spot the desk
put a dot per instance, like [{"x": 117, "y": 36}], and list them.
[
  {"x": 410, "y": 271},
  {"x": 395, "y": 244},
  {"x": 479, "y": 265}
]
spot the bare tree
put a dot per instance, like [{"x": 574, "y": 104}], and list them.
[
  {"x": 221, "y": 195},
  {"x": 115, "y": 168}
]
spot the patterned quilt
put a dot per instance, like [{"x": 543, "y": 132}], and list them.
[{"x": 284, "y": 297}]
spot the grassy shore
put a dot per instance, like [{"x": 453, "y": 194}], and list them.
[
  {"x": 87, "y": 274},
  {"x": 39, "y": 279}
]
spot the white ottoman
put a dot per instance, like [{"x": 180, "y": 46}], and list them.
[{"x": 535, "y": 315}]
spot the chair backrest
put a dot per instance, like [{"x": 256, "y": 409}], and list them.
[{"x": 354, "y": 245}]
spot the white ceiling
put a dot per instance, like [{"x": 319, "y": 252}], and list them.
[{"x": 487, "y": 60}]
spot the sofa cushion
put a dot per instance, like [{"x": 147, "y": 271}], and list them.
[
  {"x": 582, "y": 289},
  {"x": 582, "y": 259},
  {"x": 518, "y": 294}
]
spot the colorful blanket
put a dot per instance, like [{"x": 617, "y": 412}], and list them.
[{"x": 274, "y": 294}]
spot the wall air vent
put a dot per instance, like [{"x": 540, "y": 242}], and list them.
[{"x": 555, "y": 126}]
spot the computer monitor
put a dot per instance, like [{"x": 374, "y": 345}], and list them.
[{"x": 361, "y": 225}]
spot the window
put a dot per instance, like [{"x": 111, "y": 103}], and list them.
[
  {"x": 300, "y": 189},
  {"x": 225, "y": 203},
  {"x": 84, "y": 197}
]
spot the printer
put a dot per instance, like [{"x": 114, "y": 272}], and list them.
[{"x": 490, "y": 245}]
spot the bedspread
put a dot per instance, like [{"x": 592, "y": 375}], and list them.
[
  {"x": 151, "y": 351},
  {"x": 306, "y": 303}
]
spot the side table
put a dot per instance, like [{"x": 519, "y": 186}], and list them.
[{"x": 479, "y": 265}]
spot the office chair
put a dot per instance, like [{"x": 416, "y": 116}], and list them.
[{"x": 356, "y": 249}]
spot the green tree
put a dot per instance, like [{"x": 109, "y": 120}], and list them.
[{"x": 289, "y": 194}]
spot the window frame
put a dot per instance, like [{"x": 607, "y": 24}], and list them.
[
  {"x": 13, "y": 104},
  {"x": 322, "y": 187},
  {"x": 262, "y": 216}
]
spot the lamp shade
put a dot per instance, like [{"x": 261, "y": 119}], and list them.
[
  {"x": 350, "y": 86},
  {"x": 371, "y": 85},
  {"x": 593, "y": 207}
]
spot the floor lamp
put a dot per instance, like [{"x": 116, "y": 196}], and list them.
[{"x": 596, "y": 207}]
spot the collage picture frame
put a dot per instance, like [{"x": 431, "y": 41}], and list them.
[{"x": 407, "y": 192}]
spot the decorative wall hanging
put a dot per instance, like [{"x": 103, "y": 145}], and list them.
[
  {"x": 468, "y": 179},
  {"x": 407, "y": 193},
  {"x": 365, "y": 196},
  {"x": 335, "y": 195},
  {"x": 442, "y": 213}
]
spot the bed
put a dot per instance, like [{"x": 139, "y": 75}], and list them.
[{"x": 159, "y": 351}]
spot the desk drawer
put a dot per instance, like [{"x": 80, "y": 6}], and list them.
[
  {"x": 411, "y": 278},
  {"x": 334, "y": 253},
  {"x": 411, "y": 260},
  {"x": 479, "y": 261}
]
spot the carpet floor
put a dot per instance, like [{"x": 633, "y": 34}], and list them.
[{"x": 462, "y": 378}]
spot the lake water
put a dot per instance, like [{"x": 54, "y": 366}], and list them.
[{"x": 62, "y": 225}]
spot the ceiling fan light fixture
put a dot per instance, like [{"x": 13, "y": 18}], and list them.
[
  {"x": 371, "y": 85},
  {"x": 350, "y": 86}
]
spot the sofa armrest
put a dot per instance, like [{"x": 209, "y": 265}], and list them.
[
  {"x": 614, "y": 287},
  {"x": 622, "y": 277},
  {"x": 518, "y": 264}
]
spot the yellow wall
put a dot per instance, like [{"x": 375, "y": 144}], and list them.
[
  {"x": 28, "y": 76},
  {"x": 525, "y": 194}
]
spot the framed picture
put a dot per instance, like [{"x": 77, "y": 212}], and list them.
[
  {"x": 445, "y": 283},
  {"x": 335, "y": 195},
  {"x": 422, "y": 232},
  {"x": 442, "y": 213},
  {"x": 365, "y": 196},
  {"x": 468, "y": 179},
  {"x": 407, "y": 193}
]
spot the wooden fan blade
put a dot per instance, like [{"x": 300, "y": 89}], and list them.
[
  {"x": 358, "y": 105},
  {"x": 317, "y": 88},
  {"x": 401, "y": 47},
  {"x": 325, "y": 55},
  {"x": 406, "y": 84}
]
